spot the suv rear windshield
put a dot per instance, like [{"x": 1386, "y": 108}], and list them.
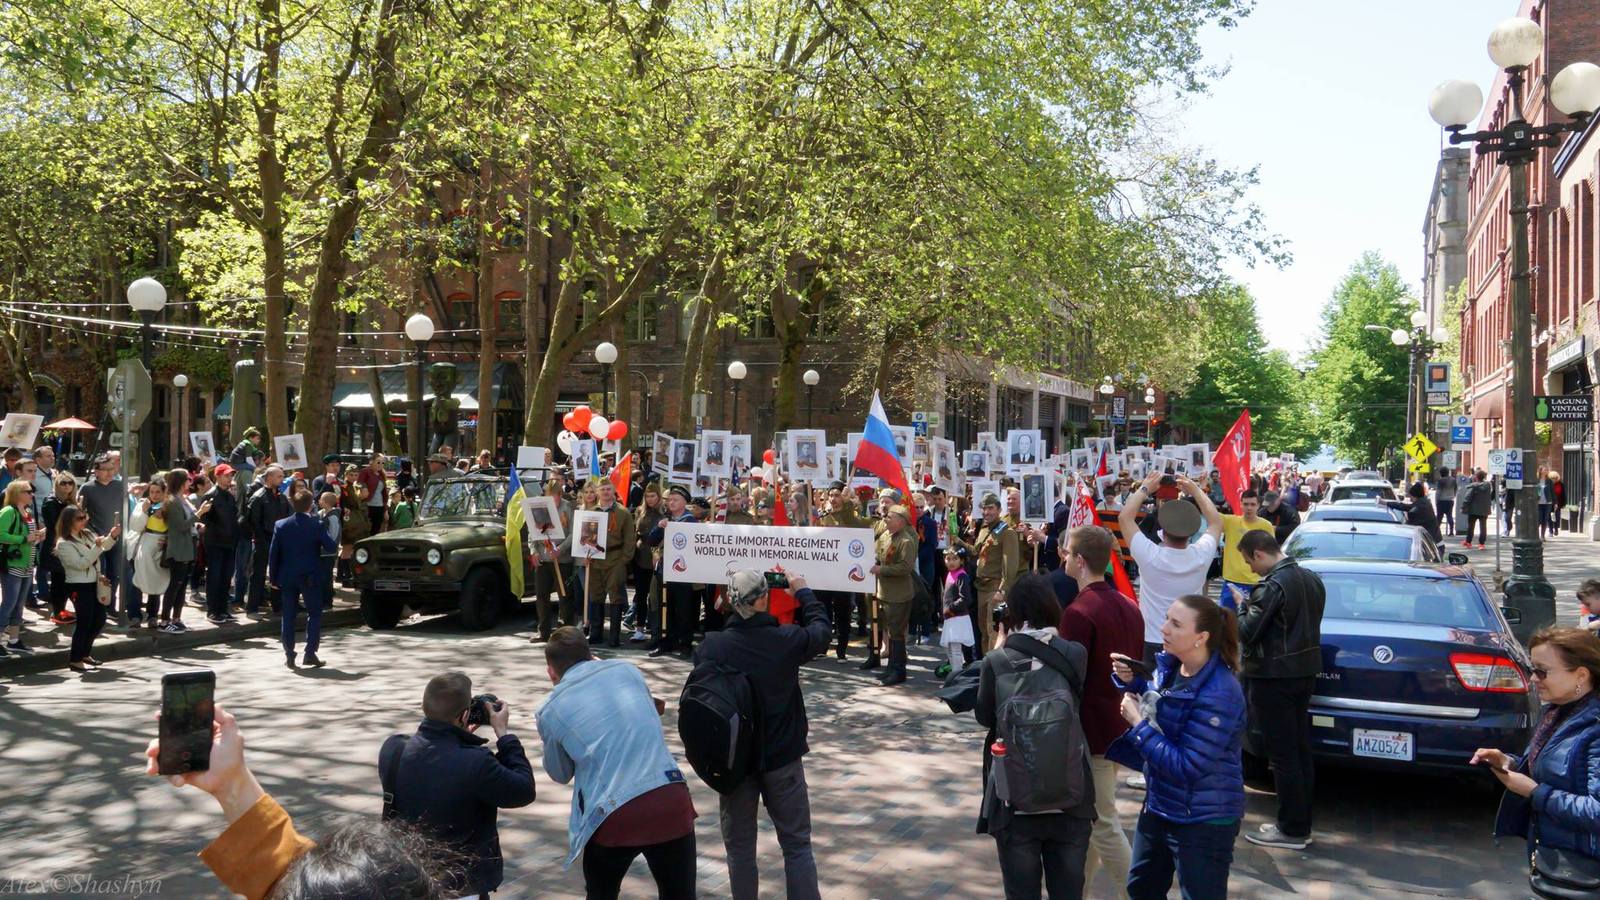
[
  {"x": 1323, "y": 544},
  {"x": 1361, "y": 492},
  {"x": 455, "y": 499},
  {"x": 1403, "y": 598}
]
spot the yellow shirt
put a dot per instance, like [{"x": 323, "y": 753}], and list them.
[
  {"x": 156, "y": 524},
  {"x": 1234, "y": 568}
]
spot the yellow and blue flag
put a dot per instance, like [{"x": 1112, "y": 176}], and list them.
[{"x": 514, "y": 522}]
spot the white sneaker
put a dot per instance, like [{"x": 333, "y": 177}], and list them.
[
  {"x": 1268, "y": 835},
  {"x": 1136, "y": 781},
  {"x": 639, "y": 637}
]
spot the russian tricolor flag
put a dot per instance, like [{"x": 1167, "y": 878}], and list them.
[{"x": 875, "y": 453}]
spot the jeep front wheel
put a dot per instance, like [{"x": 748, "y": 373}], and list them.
[
  {"x": 378, "y": 613},
  {"x": 481, "y": 599}
]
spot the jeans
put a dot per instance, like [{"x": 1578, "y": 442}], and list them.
[
  {"x": 14, "y": 589},
  {"x": 177, "y": 591},
  {"x": 219, "y": 575},
  {"x": 308, "y": 587},
  {"x": 1280, "y": 707},
  {"x": 1050, "y": 849},
  {"x": 243, "y": 554},
  {"x": 1483, "y": 527},
  {"x": 1200, "y": 853},
  {"x": 91, "y": 619},
  {"x": 112, "y": 566},
  {"x": 672, "y": 864},
  {"x": 783, "y": 790},
  {"x": 41, "y": 579},
  {"x": 1447, "y": 519},
  {"x": 1108, "y": 846},
  {"x": 1546, "y": 523}
]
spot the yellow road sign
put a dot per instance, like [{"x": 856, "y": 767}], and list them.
[
  {"x": 1421, "y": 468},
  {"x": 1420, "y": 448}
]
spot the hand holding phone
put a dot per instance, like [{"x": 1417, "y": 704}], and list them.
[
  {"x": 187, "y": 716},
  {"x": 1127, "y": 668}
]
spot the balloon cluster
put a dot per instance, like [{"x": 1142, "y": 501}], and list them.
[{"x": 583, "y": 421}]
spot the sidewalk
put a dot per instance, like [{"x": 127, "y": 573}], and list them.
[
  {"x": 1569, "y": 559},
  {"x": 50, "y": 643}
]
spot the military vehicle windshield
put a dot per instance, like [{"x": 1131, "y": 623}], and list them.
[{"x": 464, "y": 498}]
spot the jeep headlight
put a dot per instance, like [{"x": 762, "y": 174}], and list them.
[
  {"x": 434, "y": 556},
  {"x": 362, "y": 556}
]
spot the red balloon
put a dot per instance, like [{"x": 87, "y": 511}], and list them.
[
  {"x": 619, "y": 430},
  {"x": 568, "y": 423},
  {"x": 580, "y": 418},
  {"x": 769, "y": 457}
]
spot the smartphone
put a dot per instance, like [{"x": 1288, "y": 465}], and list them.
[
  {"x": 777, "y": 580},
  {"x": 1139, "y": 667},
  {"x": 186, "y": 715}
]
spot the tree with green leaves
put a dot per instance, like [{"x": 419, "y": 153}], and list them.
[{"x": 1357, "y": 379}]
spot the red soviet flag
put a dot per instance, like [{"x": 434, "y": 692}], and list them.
[{"x": 1232, "y": 459}]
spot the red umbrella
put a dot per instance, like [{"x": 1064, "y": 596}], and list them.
[{"x": 70, "y": 424}]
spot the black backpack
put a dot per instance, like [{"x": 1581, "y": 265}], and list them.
[
  {"x": 1047, "y": 754},
  {"x": 719, "y": 721}
]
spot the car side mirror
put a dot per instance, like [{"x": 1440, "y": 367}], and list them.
[
  {"x": 1457, "y": 559},
  {"x": 1512, "y": 614}
]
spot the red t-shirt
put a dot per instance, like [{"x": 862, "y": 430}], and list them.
[{"x": 654, "y": 817}]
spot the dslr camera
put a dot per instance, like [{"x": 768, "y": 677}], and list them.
[
  {"x": 478, "y": 712},
  {"x": 1001, "y": 610}
]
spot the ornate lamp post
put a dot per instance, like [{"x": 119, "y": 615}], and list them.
[
  {"x": 1514, "y": 45},
  {"x": 419, "y": 328},
  {"x": 148, "y": 298},
  {"x": 605, "y": 355},
  {"x": 181, "y": 381},
  {"x": 811, "y": 378},
  {"x": 736, "y": 373}
]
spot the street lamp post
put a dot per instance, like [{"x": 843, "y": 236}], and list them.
[
  {"x": 1514, "y": 45},
  {"x": 811, "y": 378},
  {"x": 736, "y": 373},
  {"x": 148, "y": 298},
  {"x": 419, "y": 328},
  {"x": 605, "y": 355},
  {"x": 1106, "y": 390},
  {"x": 181, "y": 381}
]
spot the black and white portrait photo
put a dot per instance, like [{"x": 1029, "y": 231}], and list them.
[{"x": 1022, "y": 448}]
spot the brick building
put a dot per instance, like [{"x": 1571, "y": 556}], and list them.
[{"x": 1562, "y": 239}]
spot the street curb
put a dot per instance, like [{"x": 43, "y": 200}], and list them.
[{"x": 150, "y": 643}]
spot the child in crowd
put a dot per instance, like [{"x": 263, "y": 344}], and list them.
[
  {"x": 960, "y": 598},
  {"x": 1589, "y": 606},
  {"x": 328, "y": 512}
]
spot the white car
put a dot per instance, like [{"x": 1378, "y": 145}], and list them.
[{"x": 1350, "y": 489}]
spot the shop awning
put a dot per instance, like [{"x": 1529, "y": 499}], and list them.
[
  {"x": 358, "y": 395},
  {"x": 225, "y": 407}
]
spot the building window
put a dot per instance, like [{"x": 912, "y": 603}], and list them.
[
  {"x": 759, "y": 324},
  {"x": 640, "y": 324},
  {"x": 462, "y": 311},
  {"x": 588, "y": 302},
  {"x": 508, "y": 313}
]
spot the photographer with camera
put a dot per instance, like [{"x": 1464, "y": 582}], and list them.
[
  {"x": 443, "y": 779},
  {"x": 770, "y": 655}
]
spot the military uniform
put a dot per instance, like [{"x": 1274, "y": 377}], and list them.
[
  {"x": 999, "y": 563},
  {"x": 608, "y": 575},
  {"x": 554, "y": 574},
  {"x": 897, "y": 566},
  {"x": 738, "y": 518}
]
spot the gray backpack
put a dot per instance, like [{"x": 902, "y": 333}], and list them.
[{"x": 1047, "y": 755}]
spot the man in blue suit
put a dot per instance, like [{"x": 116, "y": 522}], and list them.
[{"x": 294, "y": 570}]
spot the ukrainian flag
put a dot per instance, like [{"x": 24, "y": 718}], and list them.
[{"x": 514, "y": 522}]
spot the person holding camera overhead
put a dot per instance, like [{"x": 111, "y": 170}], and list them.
[
  {"x": 443, "y": 779},
  {"x": 1187, "y": 730}
]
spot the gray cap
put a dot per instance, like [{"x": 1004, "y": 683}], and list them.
[
  {"x": 1180, "y": 518},
  {"x": 746, "y": 587}
]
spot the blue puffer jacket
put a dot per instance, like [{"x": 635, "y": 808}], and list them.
[
  {"x": 1190, "y": 753},
  {"x": 1563, "y": 812}
]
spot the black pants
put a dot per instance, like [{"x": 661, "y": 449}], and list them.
[
  {"x": 1049, "y": 849},
  {"x": 682, "y": 610},
  {"x": 91, "y": 619},
  {"x": 258, "y": 578},
  {"x": 672, "y": 864},
  {"x": 1447, "y": 519},
  {"x": 1279, "y": 707},
  {"x": 839, "y": 604},
  {"x": 219, "y": 571},
  {"x": 177, "y": 591},
  {"x": 1483, "y": 528}
]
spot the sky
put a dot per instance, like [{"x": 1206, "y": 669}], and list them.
[{"x": 1330, "y": 101}]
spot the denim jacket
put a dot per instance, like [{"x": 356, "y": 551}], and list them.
[{"x": 600, "y": 726}]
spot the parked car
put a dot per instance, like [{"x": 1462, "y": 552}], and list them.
[
  {"x": 1352, "y": 511},
  {"x": 1345, "y": 539},
  {"x": 1420, "y": 668},
  {"x": 453, "y": 559},
  {"x": 1363, "y": 489}
]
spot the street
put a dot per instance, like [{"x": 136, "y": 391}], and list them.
[{"x": 893, "y": 778}]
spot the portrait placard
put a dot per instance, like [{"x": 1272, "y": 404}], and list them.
[
  {"x": 1022, "y": 449},
  {"x": 203, "y": 445},
  {"x": 975, "y": 463},
  {"x": 589, "y": 530},
  {"x": 945, "y": 473},
  {"x": 715, "y": 459},
  {"x": 805, "y": 454},
  {"x": 1036, "y": 496},
  {"x": 683, "y": 458},
  {"x": 20, "y": 430},
  {"x": 543, "y": 518},
  {"x": 290, "y": 450}
]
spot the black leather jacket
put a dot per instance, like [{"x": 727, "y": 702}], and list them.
[{"x": 1280, "y": 626}]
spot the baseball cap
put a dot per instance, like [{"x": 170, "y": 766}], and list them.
[
  {"x": 746, "y": 587},
  {"x": 222, "y": 469}
]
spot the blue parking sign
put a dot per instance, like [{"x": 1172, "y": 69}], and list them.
[{"x": 1461, "y": 433}]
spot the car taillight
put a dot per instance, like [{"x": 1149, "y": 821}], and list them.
[{"x": 1486, "y": 672}]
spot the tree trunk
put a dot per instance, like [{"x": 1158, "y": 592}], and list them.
[
  {"x": 274, "y": 255},
  {"x": 316, "y": 389},
  {"x": 488, "y": 315},
  {"x": 693, "y": 375},
  {"x": 558, "y": 351},
  {"x": 11, "y": 341},
  {"x": 388, "y": 439}
]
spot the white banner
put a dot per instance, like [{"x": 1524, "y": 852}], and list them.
[{"x": 830, "y": 559}]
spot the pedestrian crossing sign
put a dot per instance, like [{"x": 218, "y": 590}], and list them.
[
  {"x": 1420, "y": 468},
  {"x": 1420, "y": 448}
]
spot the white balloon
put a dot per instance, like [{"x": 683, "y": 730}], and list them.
[
  {"x": 564, "y": 441},
  {"x": 599, "y": 428},
  {"x": 758, "y": 472}
]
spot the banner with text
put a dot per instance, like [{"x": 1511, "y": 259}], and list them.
[{"x": 830, "y": 559}]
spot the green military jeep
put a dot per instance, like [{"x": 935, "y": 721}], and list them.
[{"x": 453, "y": 559}]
